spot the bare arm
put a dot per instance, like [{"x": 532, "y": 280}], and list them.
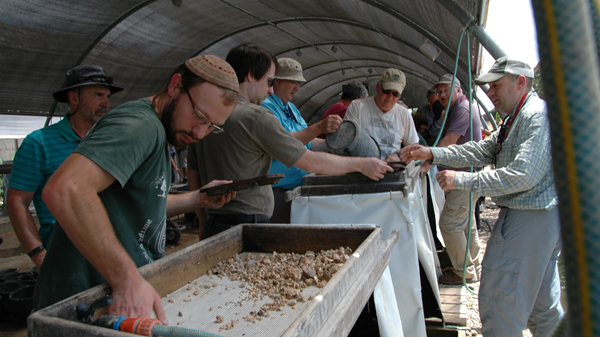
[
  {"x": 327, "y": 163},
  {"x": 173, "y": 165},
  {"x": 319, "y": 145},
  {"x": 449, "y": 139},
  {"x": 415, "y": 152},
  {"x": 327, "y": 125},
  {"x": 185, "y": 202},
  {"x": 17, "y": 206},
  {"x": 72, "y": 196}
]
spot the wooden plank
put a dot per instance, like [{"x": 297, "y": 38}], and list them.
[
  {"x": 454, "y": 308},
  {"x": 444, "y": 332},
  {"x": 454, "y": 319},
  {"x": 319, "y": 310},
  {"x": 454, "y": 305},
  {"x": 343, "y": 318},
  {"x": 299, "y": 239},
  {"x": 165, "y": 275},
  {"x": 453, "y": 290}
]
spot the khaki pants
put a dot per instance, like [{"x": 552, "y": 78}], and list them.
[
  {"x": 520, "y": 284},
  {"x": 453, "y": 225}
]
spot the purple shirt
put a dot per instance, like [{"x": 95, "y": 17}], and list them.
[{"x": 458, "y": 122}]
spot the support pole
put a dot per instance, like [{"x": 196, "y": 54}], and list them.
[
  {"x": 478, "y": 31},
  {"x": 487, "y": 112}
]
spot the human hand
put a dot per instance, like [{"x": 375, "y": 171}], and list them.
[
  {"x": 177, "y": 170},
  {"x": 425, "y": 166},
  {"x": 39, "y": 258},
  {"x": 330, "y": 124},
  {"x": 374, "y": 168},
  {"x": 446, "y": 179},
  {"x": 136, "y": 299},
  {"x": 216, "y": 201},
  {"x": 392, "y": 157},
  {"x": 415, "y": 152}
]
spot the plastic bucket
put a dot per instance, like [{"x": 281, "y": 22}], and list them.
[
  {"x": 28, "y": 278},
  {"x": 6, "y": 272},
  {"x": 350, "y": 140},
  {"x": 6, "y": 288},
  {"x": 21, "y": 303},
  {"x": 15, "y": 276}
]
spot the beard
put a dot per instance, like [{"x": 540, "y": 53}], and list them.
[{"x": 167, "y": 121}]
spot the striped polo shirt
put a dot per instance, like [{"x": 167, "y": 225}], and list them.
[{"x": 40, "y": 154}]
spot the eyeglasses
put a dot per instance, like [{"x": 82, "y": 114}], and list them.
[
  {"x": 271, "y": 80},
  {"x": 445, "y": 91},
  {"x": 202, "y": 119},
  {"x": 387, "y": 92}
]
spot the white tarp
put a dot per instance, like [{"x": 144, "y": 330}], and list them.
[{"x": 389, "y": 211}]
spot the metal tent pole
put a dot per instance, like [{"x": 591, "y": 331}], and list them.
[
  {"x": 478, "y": 31},
  {"x": 487, "y": 112}
]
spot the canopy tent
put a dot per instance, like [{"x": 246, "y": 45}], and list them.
[{"x": 140, "y": 43}]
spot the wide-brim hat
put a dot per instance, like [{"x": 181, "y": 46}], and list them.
[
  {"x": 503, "y": 66},
  {"x": 81, "y": 76},
  {"x": 289, "y": 69}
]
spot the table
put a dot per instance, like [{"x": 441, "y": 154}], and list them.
[{"x": 389, "y": 210}]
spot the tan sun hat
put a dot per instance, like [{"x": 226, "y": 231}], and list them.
[
  {"x": 393, "y": 79},
  {"x": 214, "y": 70},
  {"x": 289, "y": 69}
]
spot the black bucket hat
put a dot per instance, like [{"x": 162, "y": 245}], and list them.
[{"x": 84, "y": 75}]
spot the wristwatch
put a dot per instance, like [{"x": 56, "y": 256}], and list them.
[{"x": 36, "y": 250}]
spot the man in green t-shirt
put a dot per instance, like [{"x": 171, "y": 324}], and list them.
[{"x": 110, "y": 197}]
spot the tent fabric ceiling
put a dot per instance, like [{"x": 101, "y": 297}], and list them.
[{"x": 140, "y": 43}]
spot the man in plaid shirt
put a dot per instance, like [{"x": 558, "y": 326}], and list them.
[{"x": 520, "y": 284}]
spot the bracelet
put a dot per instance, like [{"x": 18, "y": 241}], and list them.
[{"x": 36, "y": 250}]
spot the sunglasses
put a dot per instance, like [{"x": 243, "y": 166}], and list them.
[
  {"x": 271, "y": 80},
  {"x": 387, "y": 92},
  {"x": 202, "y": 119}
]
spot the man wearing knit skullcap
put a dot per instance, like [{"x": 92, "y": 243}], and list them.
[{"x": 110, "y": 197}]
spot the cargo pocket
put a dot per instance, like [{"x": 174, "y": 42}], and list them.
[
  {"x": 454, "y": 214},
  {"x": 501, "y": 276}
]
